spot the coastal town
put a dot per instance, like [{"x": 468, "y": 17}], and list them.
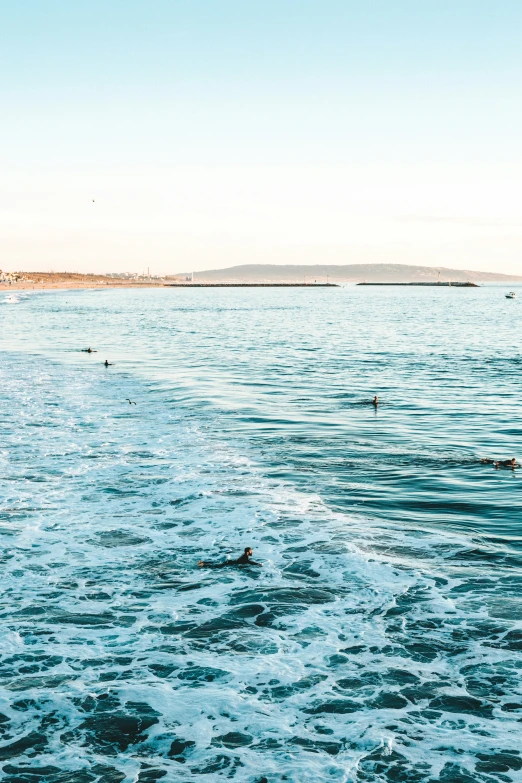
[
  {"x": 13, "y": 277},
  {"x": 50, "y": 280}
]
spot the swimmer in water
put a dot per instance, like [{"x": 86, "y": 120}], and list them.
[
  {"x": 88, "y": 350},
  {"x": 107, "y": 364},
  {"x": 244, "y": 559},
  {"x": 375, "y": 401},
  {"x": 507, "y": 463}
]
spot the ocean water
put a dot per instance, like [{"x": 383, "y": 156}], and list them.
[{"x": 381, "y": 640}]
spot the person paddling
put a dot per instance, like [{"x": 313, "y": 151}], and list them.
[
  {"x": 501, "y": 463},
  {"x": 244, "y": 559},
  {"x": 507, "y": 463}
]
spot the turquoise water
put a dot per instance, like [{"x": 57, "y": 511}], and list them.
[{"x": 381, "y": 640}]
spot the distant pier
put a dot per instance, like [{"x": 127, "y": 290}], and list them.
[
  {"x": 436, "y": 285},
  {"x": 252, "y": 285}
]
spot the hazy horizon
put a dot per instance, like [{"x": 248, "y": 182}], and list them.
[{"x": 213, "y": 135}]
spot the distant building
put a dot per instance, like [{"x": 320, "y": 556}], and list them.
[{"x": 10, "y": 277}]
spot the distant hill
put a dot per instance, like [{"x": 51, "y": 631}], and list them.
[{"x": 349, "y": 273}]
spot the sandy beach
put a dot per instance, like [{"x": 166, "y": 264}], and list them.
[{"x": 41, "y": 281}]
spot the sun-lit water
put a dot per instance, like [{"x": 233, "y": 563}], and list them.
[{"x": 381, "y": 640}]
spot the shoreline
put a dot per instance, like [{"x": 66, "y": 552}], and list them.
[
  {"x": 80, "y": 285},
  {"x": 73, "y": 285}
]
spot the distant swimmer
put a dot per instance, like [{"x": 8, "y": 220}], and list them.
[
  {"x": 507, "y": 463},
  {"x": 501, "y": 463},
  {"x": 375, "y": 401},
  {"x": 240, "y": 561},
  {"x": 88, "y": 350},
  {"x": 107, "y": 364},
  {"x": 130, "y": 401}
]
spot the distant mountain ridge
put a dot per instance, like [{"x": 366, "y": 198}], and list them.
[{"x": 349, "y": 273}]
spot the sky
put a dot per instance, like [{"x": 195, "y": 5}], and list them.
[{"x": 183, "y": 135}]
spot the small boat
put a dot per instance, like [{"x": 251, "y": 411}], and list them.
[{"x": 511, "y": 295}]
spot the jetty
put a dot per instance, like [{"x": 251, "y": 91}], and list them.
[
  {"x": 435, "y": 284},
  {"x": 250, "y": 285}
]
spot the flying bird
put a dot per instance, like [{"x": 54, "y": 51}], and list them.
[{"x": 130, "y": 401}]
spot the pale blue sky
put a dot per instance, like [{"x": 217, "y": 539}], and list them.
[{"x": 218, "y": 132}]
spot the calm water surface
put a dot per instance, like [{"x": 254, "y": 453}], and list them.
[{"x": 381, "y": 641}]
